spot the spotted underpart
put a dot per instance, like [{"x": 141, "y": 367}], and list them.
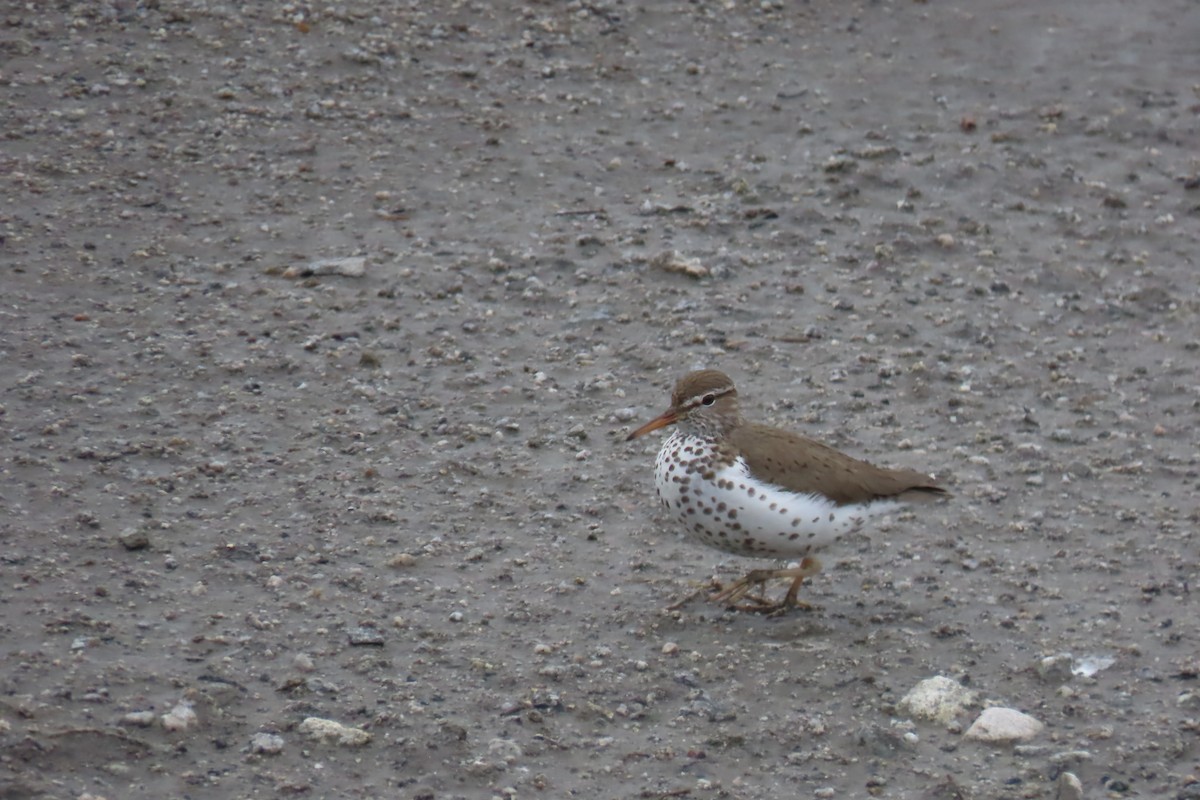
[{"x": 723, "y": 506}]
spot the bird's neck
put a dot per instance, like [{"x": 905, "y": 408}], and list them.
[{"x": 712, "y": 426}]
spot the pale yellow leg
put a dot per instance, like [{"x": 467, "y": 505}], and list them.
[
  {"x": 692, "y": 596},
  {"x": 759, "y": 577}
]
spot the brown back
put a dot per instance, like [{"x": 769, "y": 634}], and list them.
[{"x": 800, "y": 464}]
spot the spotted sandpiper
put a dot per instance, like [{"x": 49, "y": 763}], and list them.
[{"x": 754, "y": 490}]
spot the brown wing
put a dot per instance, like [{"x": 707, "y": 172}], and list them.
[{"x": 800, "y": 464}]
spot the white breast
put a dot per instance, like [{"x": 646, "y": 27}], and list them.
[{"x": 731, "y": 510}]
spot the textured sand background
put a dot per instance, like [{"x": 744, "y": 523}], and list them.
[{"x": 242, "y": 487}]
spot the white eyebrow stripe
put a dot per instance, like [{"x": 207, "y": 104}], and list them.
[{"x": 698, "y": 399}]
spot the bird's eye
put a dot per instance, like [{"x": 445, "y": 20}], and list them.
[{"x": 709, "y": 399}]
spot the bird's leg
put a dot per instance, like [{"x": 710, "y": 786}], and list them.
[
  {"x": 731, "y": 594},
  {"x": 808, "y": 567},
  {"x": 680, "y": 603}
]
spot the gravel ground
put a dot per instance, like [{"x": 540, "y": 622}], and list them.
[{"x": 323, "y": 327}]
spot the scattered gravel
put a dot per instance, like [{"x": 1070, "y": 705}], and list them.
[{"x": 324, "y": 325}]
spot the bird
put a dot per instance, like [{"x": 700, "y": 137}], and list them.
[{"x": 754, "y": 490}]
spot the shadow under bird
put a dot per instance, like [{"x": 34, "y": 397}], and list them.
[{"x": 754, "y": 490}]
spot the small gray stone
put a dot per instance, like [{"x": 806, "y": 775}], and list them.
[
  {"x": 365, "y": 637},
  {"x": 1055, "y": 669},
  {"x": 142, "y": 719},
  {"x": 268, "y": 744},
  {"x": 134, "y": 539},
  {"x": 352, "y": 267},
  {"x": 882, "y": 741}
]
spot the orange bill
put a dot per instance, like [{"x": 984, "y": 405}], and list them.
[{"x": 664, "y": 419}]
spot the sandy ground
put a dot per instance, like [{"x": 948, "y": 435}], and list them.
[{"x": 243, "y": 487}]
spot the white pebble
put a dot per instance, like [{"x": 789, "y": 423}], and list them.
[
  {"x": 326, "y": 730},
  {"x": 1003, "y": 725},
  {"x": 179, "y": 718},
  {"x": 939, "y": 699}
]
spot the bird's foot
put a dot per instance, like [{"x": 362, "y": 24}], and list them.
[
  {"x": 758, "y": 603},
  {"x": 702, "y": 589},
  {"x": 740, "y": 589},
  {"x": 771, "y": 608}
]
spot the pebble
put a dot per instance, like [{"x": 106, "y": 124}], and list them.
[
  {"x": 1070, "y": 757},
  {"x": 365, "y": 637},
  {"x": 352, "y": 267},
  {"x": 1088, "y": 666},
  {"x": 1190, "y": 790},
  {"x": 506, "y": 750},
  {"x": 140, "y": 719},
  {"x": 179, "y": 718},
  {"x": 626, "y": 414},
  {"x": 939, "y": 699},
  {"x": 672, "y": 261},
  {"x": 999, "y": 724},
  {"x": 268, "y": 744},
  {"x": 327, "y": 730},
  {"x": 1055, "y": 669},
  {"x": 883, "y": 741},
  {"x": 134, "y": 539},
  {"x": 1069, "y": 787}
]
